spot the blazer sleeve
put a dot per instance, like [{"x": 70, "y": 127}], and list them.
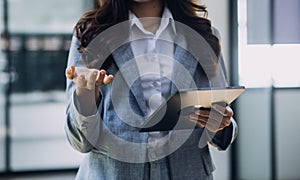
[
  {"x": 80, "y": 130},
  {"x": 224, "y": 138}
]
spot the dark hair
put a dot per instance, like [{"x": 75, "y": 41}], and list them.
[{"x": 111, "y": 12}]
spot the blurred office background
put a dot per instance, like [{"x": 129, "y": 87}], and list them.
[{"x": 261, "y": 45}]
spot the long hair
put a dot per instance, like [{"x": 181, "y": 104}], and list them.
[{"x": 112, "y": 12}]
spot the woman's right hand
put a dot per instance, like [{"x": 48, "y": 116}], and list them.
[
  {"x": 87, "y": 83},
  {"x": 88, "y": 80}
]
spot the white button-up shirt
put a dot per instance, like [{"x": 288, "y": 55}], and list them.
[{"x": 154, "y": 58}]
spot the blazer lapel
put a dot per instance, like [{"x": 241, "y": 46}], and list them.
[
  {"x": 206, "y": 58},
  {"x": 184, "y": 67},
  {"x": 123, "y": 57}
]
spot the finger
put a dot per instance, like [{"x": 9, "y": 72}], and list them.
[
  {"x": 199, "y": 123},
  {"x": 205, "y": 121},
  {"x": 108, "y": 79},
  {"x": 92, "y": 80},
  {"x": 203, "y": 112},
  {"x": 211, "y": 123},
  {"x": 229, "y": 111},
  {"x": 225, "y": 111},
  {"x": 81, "y": 82},
  {"x": 202, "y": 124},
  {"x": 220, "y": 104},
  {"x": 219, "y": 107},
  {"x": 226, "y": 121},
  {"x": 197, "y": 118},
  {"x": 70, "y": 72},
  {"x": 209, "y": 112},
  {"x": 217, "y": 125},
  {"x": 100, "y": 78},
  {"x": 194, "y": 117}
]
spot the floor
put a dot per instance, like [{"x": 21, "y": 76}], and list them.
[
  {"x": 41, "y": 176},
  {"x": 37, "y": 137}
]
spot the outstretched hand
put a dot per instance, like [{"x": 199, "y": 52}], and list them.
[{"x": 87, "y": 80}]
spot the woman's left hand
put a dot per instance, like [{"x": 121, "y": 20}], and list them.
[{"x": 214, "y": 119}]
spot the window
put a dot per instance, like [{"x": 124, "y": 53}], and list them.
[
  {"x": 269, "y": 43},
  {"x": 40, "y": 34},
  {"x": 44, "y": 16}
]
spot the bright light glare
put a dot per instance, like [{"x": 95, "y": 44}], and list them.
[{"x": 266, "y": 65}]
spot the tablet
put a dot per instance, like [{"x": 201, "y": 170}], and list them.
[{"x": 183, "y": 103}]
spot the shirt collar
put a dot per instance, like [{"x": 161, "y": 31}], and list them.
[{"x": 166, "y": 19}]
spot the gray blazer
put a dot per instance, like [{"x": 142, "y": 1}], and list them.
[{"x": 92, "y": 135}]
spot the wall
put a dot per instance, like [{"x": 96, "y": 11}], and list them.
[
  {"x": 218, "y": 13},
  {"x": 287, "y": 133},
  {"x": 254, "y": 140},
  {"x": 2, "y": 114},
  {"x": 254, "y": 134}
]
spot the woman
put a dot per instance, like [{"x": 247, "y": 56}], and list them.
[{"x": 153, "y": 61}]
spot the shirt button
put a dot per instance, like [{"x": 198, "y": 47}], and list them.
[
  {"x": 155, "y": 84},
  {"x": 153, "y": 58},
  {"x": 153, "y": 155}
]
